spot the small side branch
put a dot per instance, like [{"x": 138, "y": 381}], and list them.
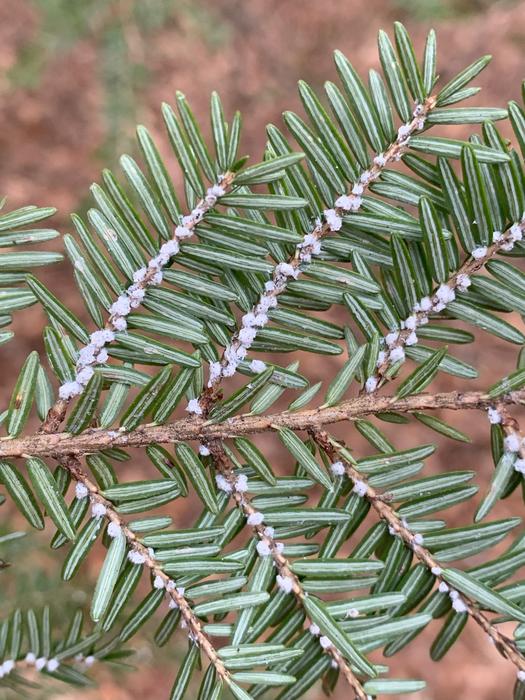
[
  {"x": 144, "y": 556},
  {"x": 267, "y": 546},
  {"x": 398, "y": 528}
]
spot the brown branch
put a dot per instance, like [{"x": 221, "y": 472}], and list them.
[
  {"x": 96, "y": 439},
  {"x": 384, "y": 510}
]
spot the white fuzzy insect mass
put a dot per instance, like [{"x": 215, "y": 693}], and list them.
[
  {"x": 263, "y": 549},
  {"x": 98, "y": 510},
  {"x": 494, "y": 416},
  {"x": 371, "y": 384},
  {"x": 114, "y": 530},
  {"x": 223, "y": 484},
  {"x": 81, "y": 490},
  {"x": 194, "y": 407},
  {"x": 158, "y": 582},
  {"x": 479, "y": 253},
  {"x": 52, "y": 665},
  {"x": 512, "y": 443},
  {"x": 136, "y": 557},
  {"x": 360, "y": 487},
  {"x": 285, "y": 583},
  {"x": 519, "y": 465},
  {"x": 241, "y": 484},
  {"x": 257, "y": 366},
  {"x": 325, "y": 642},
  {"x": 255, "y": 518},
  {"x": 337, "y": 468},
  {"x": 397, "y": 354}
]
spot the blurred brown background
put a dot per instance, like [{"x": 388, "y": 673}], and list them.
[{"x": 75, "y": 78}]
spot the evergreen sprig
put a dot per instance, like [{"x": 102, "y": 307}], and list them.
[{"x": 268, "y": 258}]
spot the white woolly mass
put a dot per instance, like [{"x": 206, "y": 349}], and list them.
[
  {"x": 391, "y": 338},
  {"x": 68, "y": 390},
  {"x": 403, "y": 133},
  {"x": 445, "y": 294},
  {"x": 40, "y": 663},
  {"x": 352, "y": 612},
  {"x": 381, "y": 358},
  {"x": 411, "y": 339},
  {"x": 263, "y": 548},
  {"x": 52, "y": 665},
  {"x": 418, "y": 538},
  {"x": 459, "y": 605},
  {"x": 81, "y": 490},
  {"x": 100, "y": 338},
  {"x": 7, "y": 667},
  {"x": 285, "y": 583},
  {"x": 411, "y": 323},
  {"x": 269, "y": 531},
  {"x": 397, "y": 354},
  {"x": 463, "y": 282},
  {"x": 325, "y": 642},
  {"x": 136, "y": 557},
  {"x": 30, "y": 658},
  {"x": 348, "y": 202},
  {"x": 333, "y": 219},
  {"x": 314, "y": 629},
  {"x": 443, "y": 587},
  {"x": 521, "y": 676},
  {"x": 512, "y": 443},
  {"x": 425, "y": 303},
  {"x": 158, "y": 582},
  {"x": 436, "y": 570},
  {"x": 371, "y": 384},
  {"x": 479, "y": 253},
  {"x": 360, "y": 487},
  {"x": 215, "y": 372},
  {"x": 120, "y": 307},
  {"x": 223, "y": 484},
  {"x": 279, "y": 547},
  {"x": 114, "y": 530},
  {"x": 494, "y": 415},
  {"x": 287, "y": 270},
  {"x": 247, "y": 336},
  {"x": 241, "y": 483},
  {"x": 204, "y": 450},
  {"x": 89, "y": 660},
  {"x": 194, "y": 407},
  {"x": 380, "y": 160},
  {"x": 98, "y": 510},
  {"x": 337, "y": 468},
  {"x": 519, "y": 465},
  {"x": 257, "y": 366},
  {"x": 255, "y": 518}
]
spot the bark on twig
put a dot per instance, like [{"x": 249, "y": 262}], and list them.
[{"x": 96, "y": 439}]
